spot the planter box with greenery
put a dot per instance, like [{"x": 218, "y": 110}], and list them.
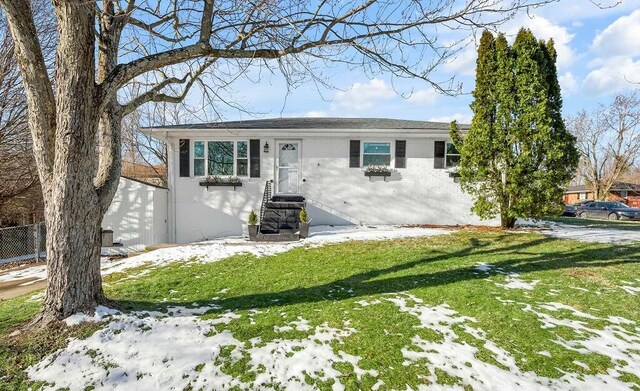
[
  {"x": 373, "y": 171},
  {"x": 253, "y": 225},
  {"x": 304, "y": 224},
  {"x": 214, "y": 180},
  {"x": 454, "y": 172}
]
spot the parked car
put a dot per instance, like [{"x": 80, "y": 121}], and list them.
[
  {"x": 582, "y": 203},
  {"x": 608, "y": 210},
  {"x": 570, "y": 210}
]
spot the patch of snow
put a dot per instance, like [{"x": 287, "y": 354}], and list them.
[
  {"x": 582, "y": 233},
  {"x": 513, "y": 281},
  {"x": 173, "y": 352},
  {"x": 458, "y": 359},
  {"x": 378, "y": 384},
  {"x": 38, "y": 297},
  {"x": 544, "y": 353},
  {"x": 632, "y": 290},
  {"x": 38, "y": 272},
  {"x": 559, "y": 306},
  {"x": 581, "y": 365},
  {"x": 483, "y": 267},
  {"x": 298, "y": 325},
  {"x": 579, "y": 289},
  {"x": 365, "y": 303},
  {"x": 101, "y": 313}
]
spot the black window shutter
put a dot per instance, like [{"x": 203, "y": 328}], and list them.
[
  {"x": 254, "y": 158},
  {"x": 401, "y": 154},
  {"x": 185, "y": 170},
  {"x": 438, "y": 154},
  {"x": 354, "y": 153}
]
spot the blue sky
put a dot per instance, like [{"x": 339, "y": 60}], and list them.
[{"x": 599, "y": 51}]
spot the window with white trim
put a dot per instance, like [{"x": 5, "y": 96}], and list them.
[
  {"x": 221, "y": 158},
  {"x": 376, "y": 154},
  {"x": 198, "y": 158},
  {"x": 582, "y": 196},
  {"x": 452, "y": 156},
  {"x": 242, "y": 158}
]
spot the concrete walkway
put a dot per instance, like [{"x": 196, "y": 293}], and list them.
[{"x": 19, "y": 280}]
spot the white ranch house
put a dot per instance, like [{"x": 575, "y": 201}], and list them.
[{"x": 219, "y": 172}]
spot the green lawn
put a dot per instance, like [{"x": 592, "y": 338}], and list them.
[
  {"x": 392, "y": 314},
  {"x": 593, "y": 223}
]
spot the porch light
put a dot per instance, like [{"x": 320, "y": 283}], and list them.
[{"x": 266, "y": 147}]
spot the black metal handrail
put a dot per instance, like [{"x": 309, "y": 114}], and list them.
[{"x": 266, "y": 197}]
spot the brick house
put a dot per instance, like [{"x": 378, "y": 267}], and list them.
[{"x": 628, "y": 193}]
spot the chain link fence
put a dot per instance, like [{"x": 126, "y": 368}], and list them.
[{"x": 22, "y": 243}]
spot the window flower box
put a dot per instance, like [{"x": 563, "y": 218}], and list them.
[
  {"x": 214, "y": 180},
  {"x": 377, "y": 171},
  {"x": 454, "y": 172}
]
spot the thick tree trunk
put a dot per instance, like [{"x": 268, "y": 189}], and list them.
[
  {"x": 74, "y": 284},
  {"x": 507, "y": 222},
  {"x": 73, "y": 211}
]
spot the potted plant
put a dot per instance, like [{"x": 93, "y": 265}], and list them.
[
  {"x": 304, "y": 224},
  {"x": 253, "y": 225}
]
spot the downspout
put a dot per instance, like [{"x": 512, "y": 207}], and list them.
[{"x": 172, "y": 188}]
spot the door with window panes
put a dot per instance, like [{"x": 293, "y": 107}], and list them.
[{"x": 288, "y": 167}]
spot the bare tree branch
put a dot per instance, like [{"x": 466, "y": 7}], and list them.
[{"x": 609, "y": 142}]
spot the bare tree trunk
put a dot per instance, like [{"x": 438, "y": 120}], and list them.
[{"x": 72, "y": 210}]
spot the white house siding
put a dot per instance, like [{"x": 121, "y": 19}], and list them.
[
  {"x": 137, "y": 215},
  {"x": 335, "y": 193},
  {"x": 417, "y": 194}
]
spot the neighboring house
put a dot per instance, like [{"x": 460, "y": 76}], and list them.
[
  {"x": 628, "y": 193},
  {"x": 219, "y": 172},
  {"x": 137, "y": 216}
]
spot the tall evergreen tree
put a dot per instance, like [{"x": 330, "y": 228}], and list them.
[
  {"x": 517, "y": 155},
  {"x": 475, "y": 170}
]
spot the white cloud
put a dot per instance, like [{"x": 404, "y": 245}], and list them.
[
  {"x": 571, "y": 11},
  {"x": 620, "y": 38},
  {"x": 464, "y": 61},
  {"x": 463, "y": 118},
  {"x": 613, "y": 74},
  {"x": 423, "y": 97},
  {"x": 363, "y": 96},
  {"x": 543, "y": 28},
  {"x": 618, "y": 63},
  {"x": 568, "y": 83}
]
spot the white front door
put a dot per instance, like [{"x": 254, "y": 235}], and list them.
[{"x": 288, "y": 167}]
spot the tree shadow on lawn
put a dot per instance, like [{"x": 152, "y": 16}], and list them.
[{"x": 524, "y": 259}]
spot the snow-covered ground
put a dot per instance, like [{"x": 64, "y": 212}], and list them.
[
  {"x": 177, "y": 349},
  {"x": 583, "y": 234},
  {"x": 215, "y": 250},
  {"x": 147, "y": 351}
]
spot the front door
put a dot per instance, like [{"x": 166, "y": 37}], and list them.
[{"x": 288, "y": 167}]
